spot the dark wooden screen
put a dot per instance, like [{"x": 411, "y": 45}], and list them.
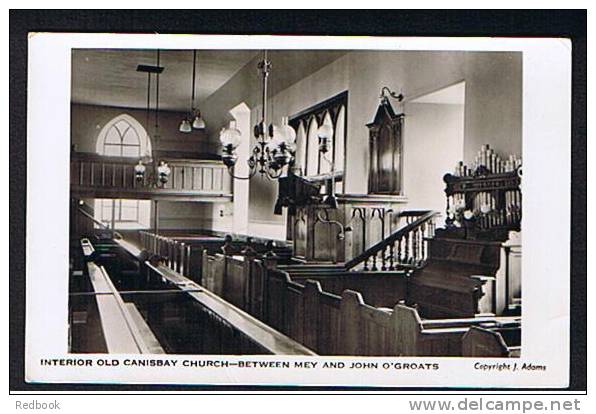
[
  {"x": 385, "y": 132},
  {"x": 309, "y": 120}
]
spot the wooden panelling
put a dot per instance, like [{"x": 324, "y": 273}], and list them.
[
  {"x": 111, "y": 177},
  {"x": 328, "y": 323}
]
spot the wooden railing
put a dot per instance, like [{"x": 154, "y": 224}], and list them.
[
  {"x": 406, "y": 247},
  {"x": 97, "y": 176}
]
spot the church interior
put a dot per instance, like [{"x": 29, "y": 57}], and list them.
[{"x": 296, "y": 202}]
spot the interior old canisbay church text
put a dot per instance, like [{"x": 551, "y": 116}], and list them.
[{"x": 295, "y": 202}]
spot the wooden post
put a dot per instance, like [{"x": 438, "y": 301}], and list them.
[
  {"x": 408, "y": 326},
  {"x": 156, "y": 222},
  {"x": 350, "y": 323},
  {"x": 310, "y": 316},
  {"x": 247, "y": 282},
  {"x": 479, "y": 342},
  {"x": 205, "y": 277}
]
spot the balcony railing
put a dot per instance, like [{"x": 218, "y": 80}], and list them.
[{"x": 98, "y": 176}]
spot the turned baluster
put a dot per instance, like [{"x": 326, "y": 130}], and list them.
[
  {"x": 166, "y": 251},
  {"x": 407, "y": 248},
  {"x": 170, "y": 247},
  {"x": 374, "y": 262},
  {"x": 182, "y": 259},
  {"x": 391, "y": 253},
  {"x": 423, "y": 242},
  {"x": 173, "y": 254},
  {"x": 414, "y": 246},
  {"x": 177, "y": 257},
  {"x": 383, "y": 258}
]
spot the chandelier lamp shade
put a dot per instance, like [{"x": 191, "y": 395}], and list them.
[
  {"x": 275, "y": 147},
  {"x": 195, "y": 120},
  {"x": 185, "y": 126},
  {"x": 163, "y": 172},
  {"x": 140, "y": 171}
]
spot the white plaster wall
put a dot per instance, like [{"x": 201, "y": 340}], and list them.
[
  {"x": 433, "y": 137},
  {"x": 88, "y": 120},
  {"x": 492, "y": 112}
]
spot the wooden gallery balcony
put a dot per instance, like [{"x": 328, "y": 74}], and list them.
[{"x": 98, "y": 176}]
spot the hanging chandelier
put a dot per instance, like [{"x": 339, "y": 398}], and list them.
[
  {"x": 275, "y": 146},
  {"x": 158, "y": 174},
  {"x": 186, "y": 126}
]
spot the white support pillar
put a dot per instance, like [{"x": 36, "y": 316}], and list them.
[{"x": 241, "y": 114}]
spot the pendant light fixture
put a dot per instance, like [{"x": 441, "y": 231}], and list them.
[
  {"x": 158, "y": 174},
  {"x": 197, "y": 121},
  {"x": 275, "y": 147}
]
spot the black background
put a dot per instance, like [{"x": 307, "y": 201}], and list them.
[{"x": 504, "y": 23}]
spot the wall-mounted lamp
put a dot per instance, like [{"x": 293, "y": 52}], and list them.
[
  {"x": 386, "y": 93},
  {"x": 325, "y": 134}
]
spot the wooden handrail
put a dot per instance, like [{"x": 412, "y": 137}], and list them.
[
  {"x": 99, "y": 223},
  {"x": 260, "y": 333},
  {"x": 423, "y": 217},
  {"x": 93, "y": 157}
]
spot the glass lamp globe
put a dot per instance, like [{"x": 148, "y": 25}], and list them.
[
  {"x": 272, "y": 147},
  {"x": 185, "y": 126},
  {"x": 325, "y": 131},
  {"x": 140, "y": 167},
  {"x": 163, "y": 168},
  {"x": 288, "y": 131},
  {"x": 279, "y": 136},
  {"x": 140, "y": 170},
  {"x": 198, "y": 122},
  {"x": 230, "y": 136}
]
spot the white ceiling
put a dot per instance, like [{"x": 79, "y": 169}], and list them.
[
  {"x": 109, "y": 77},
  {"x": 454, "y": 95}
]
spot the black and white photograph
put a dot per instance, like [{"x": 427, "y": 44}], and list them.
[
  {"x": 299, "y": 210},
  {"x": 296, "y": 202}
]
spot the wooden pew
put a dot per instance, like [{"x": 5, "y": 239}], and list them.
[
  {"x": 481, "y": 342},
  {"x": 333, "y": 324},
  {"x": 379, "y": 289}
]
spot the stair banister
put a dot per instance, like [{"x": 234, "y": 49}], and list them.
[{"x": 412, "y": 229}]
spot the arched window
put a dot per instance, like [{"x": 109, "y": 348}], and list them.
[{"x": 123, "y": 136}]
